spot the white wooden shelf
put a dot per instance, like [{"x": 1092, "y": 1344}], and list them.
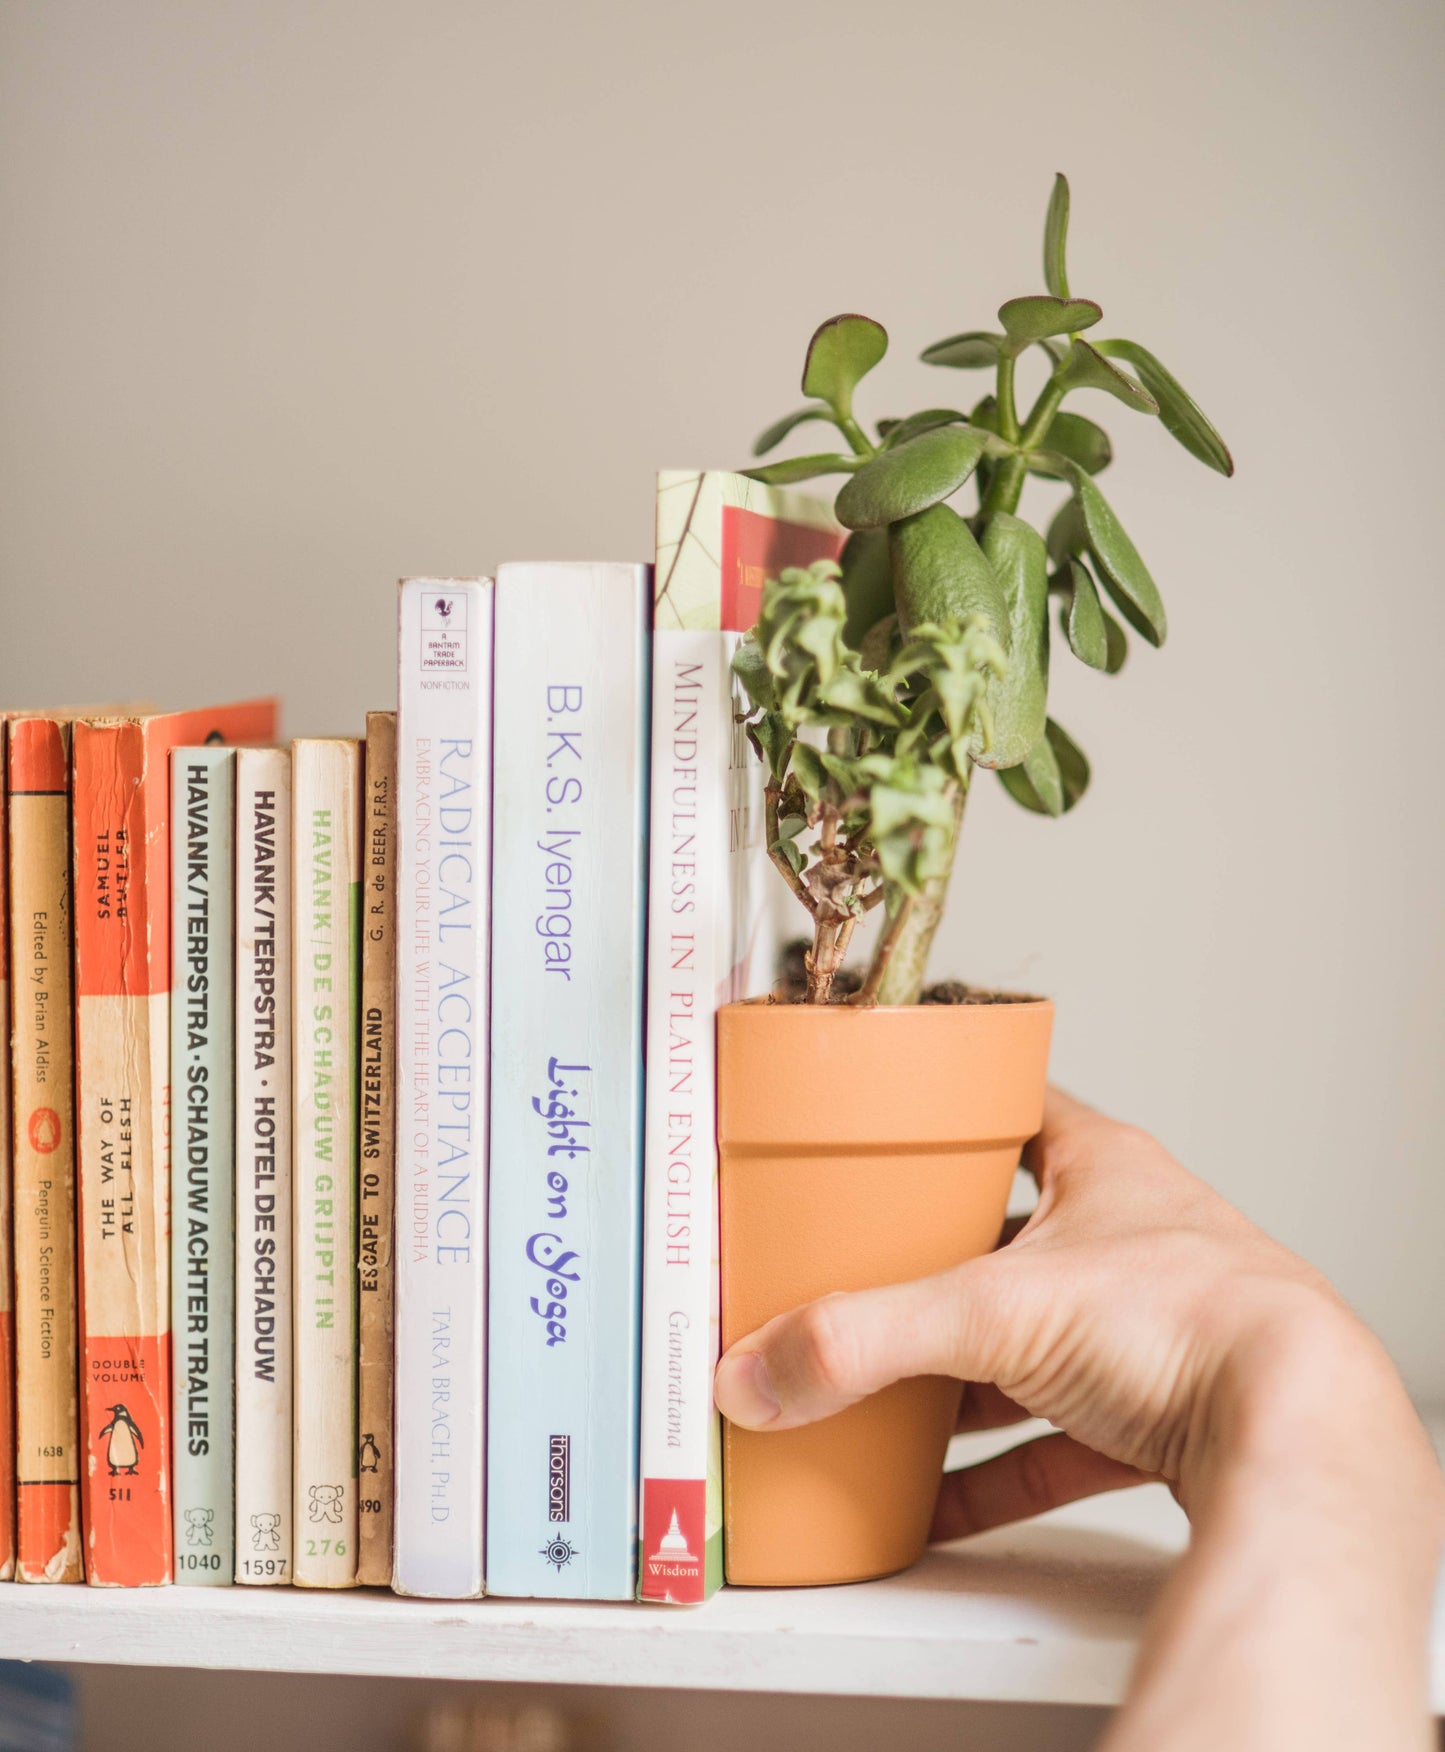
[{"x": 1047, "y": 1612}]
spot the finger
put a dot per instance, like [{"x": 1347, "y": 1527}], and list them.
[
  {"x": 986, "y": 1407},
  {"x": 829, "y": 1354},
  {"x": 1070, "y": 1132},
  {"x": 1027, "y": 1480}
]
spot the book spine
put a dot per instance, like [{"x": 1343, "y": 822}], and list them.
[
  {"x": 712, "y": 939},
  {"x": 378, "y": 1151},
  {"x": 7, "y": 1313},
  {"x": 326, "y": 837},
  {"x": 263, "y": 1166},
  {"x": 444, "y": 774},
  {"x": 203, "y": 1236},
  {"x": 569, "y": 884},
  {"x": 47, "y": 1418},
  {"x": 680, "y": 1556},
  {"x": 123, "y": 1092}
]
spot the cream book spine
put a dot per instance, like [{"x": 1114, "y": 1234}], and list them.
[
  {"x": 263, "y": 1166},
  {"x": 326, "y": 840}
]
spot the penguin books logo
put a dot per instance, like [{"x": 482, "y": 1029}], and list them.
[
  {"x": 368, "y": 1455},
  {"x": 123, "y": 1442},
  {"x": 44, "y": 1131},
  {"x": 444, "y": 633}
]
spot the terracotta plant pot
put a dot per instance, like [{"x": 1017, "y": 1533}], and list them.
[{"x": 858, "y": 1148}]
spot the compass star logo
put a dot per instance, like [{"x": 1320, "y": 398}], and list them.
[{"x": 559, "y": 1553}]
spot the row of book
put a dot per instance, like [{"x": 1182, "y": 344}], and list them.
[{"x": 362, "y": 1189}]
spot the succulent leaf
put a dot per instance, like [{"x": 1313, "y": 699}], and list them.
[
  {"x": 1084, "y": 619},
  {"x": 940, "y": 573},
  {"x": 977, "y": 350},
  {"x": 1056, "y": 236},
  {"x": 801, "y": 468},
  {"x": 1122, "y": 571},
  {"x": 1019, "y": 698},
  {"x": 775, "y": 434},
  {"x": 1087, "y": 368},
  {"x": 1179, "y": 413},
  {"x": 1038, "y": 316},
  {"x": 841, "y": 353},
  {"x": 909, "y": 477}
]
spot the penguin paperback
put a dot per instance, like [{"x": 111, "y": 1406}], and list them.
[
  {"x": 203, "y": 1237},
  {"x": 444, "y": 776},
  {"x": 719, "y": 536},
  {"x": 7, "y": 1317},
  {"x": 121, "y": 827},
  {"x": 569, "y": 887},
  {"x": 263, "y": 1165},
  {"x": 378, "y": 1152},
  {"x": 326, "y": 836},
  {"x": 48, "y": 1545}
]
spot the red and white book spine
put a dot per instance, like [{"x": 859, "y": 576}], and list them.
[
  {"x": 121, "y": 831},
  {"x": 711, "y": 939},
  {"x": 443, "y": 824}
]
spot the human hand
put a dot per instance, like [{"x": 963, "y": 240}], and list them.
[{"x": 1167, "y": 1337}]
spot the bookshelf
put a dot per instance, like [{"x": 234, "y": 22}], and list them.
[{"x": 1048, "y": 1612}]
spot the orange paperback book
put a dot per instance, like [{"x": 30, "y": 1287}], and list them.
[
  {"x": 122, "y": 983},
  {"x": 7, "y": 1319},
  {"x": 48, "y": 1547}
]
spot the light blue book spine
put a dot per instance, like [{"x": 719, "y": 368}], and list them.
[
  {"x": 569, "y": 887},
  {"x": 203, "y": 1191}
]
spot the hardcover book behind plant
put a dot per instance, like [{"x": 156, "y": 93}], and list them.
[
  {"x": 122, "y": 983},
  {"x": 569, "y": 884},
  {"x": 444, "y": 777},
  {"x": 325, "y": 901},
  {"x": 203, "y": 1236},
  {"x": 711, "y": 939},
  {"x": 263, "y": 1165}
]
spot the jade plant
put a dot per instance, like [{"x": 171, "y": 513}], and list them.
[{"x": 877, "y": 685}]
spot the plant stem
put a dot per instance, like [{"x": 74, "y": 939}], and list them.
[
  {"x": 855, "y": 435},
  {"x": 868, "y": 993},
  {"x": 771, "y": 796},
  {"x": 1006, "y": 487},
  {"x": 1008, "y": 414},
  {"x": 1042, "y": 413},
  {"x": 901, "y": 980}
]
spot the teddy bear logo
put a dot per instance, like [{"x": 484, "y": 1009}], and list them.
[
  {"x": 198, "y": 1526},
  {"x": 265, "y": 1532},
  {"x": 324, "y": 1502}
]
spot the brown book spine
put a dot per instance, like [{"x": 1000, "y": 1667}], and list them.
[
  {"x": 378, "y": 1151},
  {"x": 48, "y": 1542},
  {"x": 7, "y": 1318}
]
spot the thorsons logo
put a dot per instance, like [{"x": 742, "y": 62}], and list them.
[{"x": 559, "y": 1478}]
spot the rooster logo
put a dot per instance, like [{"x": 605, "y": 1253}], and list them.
[{"x": 443, "y": 607}]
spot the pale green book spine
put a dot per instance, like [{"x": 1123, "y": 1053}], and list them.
[
  {"x": 202, "y": 1130},
  {"x": 326, "y": 841}
]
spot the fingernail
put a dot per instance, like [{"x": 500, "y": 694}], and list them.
[{"x": 744, "y": 1392}]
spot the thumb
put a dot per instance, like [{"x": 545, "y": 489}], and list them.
[{"x": 829, "y": 1354}]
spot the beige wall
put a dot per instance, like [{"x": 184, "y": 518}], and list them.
[{"x": 298, "y": 297}]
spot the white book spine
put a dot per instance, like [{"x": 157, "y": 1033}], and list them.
[
  {"x": 326, "y": 841},
  {"x": 263, "y": 1165},
  {"x": 444, "y": 775},
  {"x": 688, "y": 959},
  {"x": 203, "y": 1260},
  {"x": 569, "y": 885}
]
